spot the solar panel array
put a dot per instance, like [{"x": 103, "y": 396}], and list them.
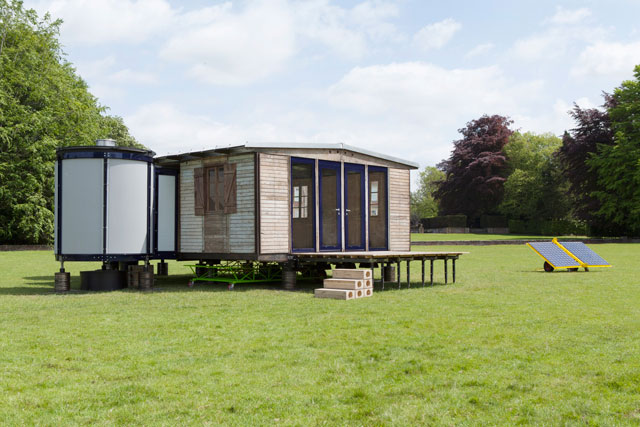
[
  {"x": 554, "y": 255},
  {"x": 585, "y": 254}
]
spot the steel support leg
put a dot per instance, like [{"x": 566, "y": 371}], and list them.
[
  {"x": 398, "y": 264},
  {"x": 445, "y": 272},
  {"x": 453, "y": 267},
  {"x": 431, "y": 271},
  {"x": 408, "y": 274},
  {"x": 382, "y": 270},
  {"x": 423, "y": 272}
]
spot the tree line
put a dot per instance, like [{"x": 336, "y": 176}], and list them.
[
  {"x": 44, "y": 105},
  {"x": 589, "y": 176}
]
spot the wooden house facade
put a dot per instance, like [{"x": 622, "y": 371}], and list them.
[{"x": 267, "y": 202}]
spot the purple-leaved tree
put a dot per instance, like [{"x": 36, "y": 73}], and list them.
[{"x": 476, "y": 170}]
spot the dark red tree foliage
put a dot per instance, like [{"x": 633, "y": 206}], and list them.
[
  {"x": 476, "y": 170},
  {"x": 578, "y": 145}
]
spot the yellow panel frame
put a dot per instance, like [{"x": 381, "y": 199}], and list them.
[
  {"x": 550, "y": 263},
  {"x": 582, "y": 264}
]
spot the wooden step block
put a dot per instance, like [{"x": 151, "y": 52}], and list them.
[
  {"x": 335, "y": 293},
  {"x": 367, "y": 292},
  {"x": 349, "y": 273},
  {"x": 368, "y": 283},
  {"x": 343, "y": 283},
  {"x": 359, "y": 293}
]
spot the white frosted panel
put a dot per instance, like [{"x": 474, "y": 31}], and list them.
[
  {"x": 81, "y": 210},
  {"x": 127, "y": 207},
  {"x": 166, "y": 213},
  {"x": 55, "y": 208}
]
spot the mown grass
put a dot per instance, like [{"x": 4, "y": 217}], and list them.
[
  {"x": 431, "y": 237},
  {"x": 506, "y": 344}
]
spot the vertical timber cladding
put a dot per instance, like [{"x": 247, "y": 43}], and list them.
[
  {"x": 399, "y": 210},
  {"x": 233, "y": 231},
  {"x": 191, "y": 226},
  {"x": 229, "y": 229},
  {"x": 274, "y": 203}
]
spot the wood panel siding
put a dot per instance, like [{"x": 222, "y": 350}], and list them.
[
  {"x": 219, "y": 232},
  {"x": 399, "y": 210},
  {"x": 191, "y": 226},
  {"x": 274, "y": 203},
  {"x": 241, "y": 224}
]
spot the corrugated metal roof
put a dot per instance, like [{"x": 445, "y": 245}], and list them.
[{"x": 251, "y": 146}]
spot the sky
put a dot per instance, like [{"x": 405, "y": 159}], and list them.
[{"x": 398, "y": 77}]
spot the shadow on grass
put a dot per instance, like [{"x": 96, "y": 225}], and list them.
[{"x": 43, "y": 285}]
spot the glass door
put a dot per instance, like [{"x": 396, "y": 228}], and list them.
[
  {"x": 378, "y": 212},
  {"x": 303, "y": 227},
  {"x": 330, "y": 206},
  {"x": 354, "y": 196}
]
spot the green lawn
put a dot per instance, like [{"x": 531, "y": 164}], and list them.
[
  {"x": 507, "y": 344},
  {"x": 431, "y": 237}
]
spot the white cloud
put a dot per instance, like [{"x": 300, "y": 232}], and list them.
[
  {"x": 565, "y": 32},
  {"x": 166, "y": 129},
  {"x": 235, "y": 47},
  {"x": 435, "y": 36},
  {"x": 128, "y": 76},
  {"x": 346, "y": 32},
  {"x": 480, "y": 50},
  {"x": 569, "y": 16},
  {"x": 108, "y": 21},
  {"x": 608, "y": 59}
]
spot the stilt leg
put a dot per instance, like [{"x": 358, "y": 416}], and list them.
[
  {"x": 408, "y": 274},
  {"x": 382, "y": 271},
  {"x": 398, "y": 264},
  {"x": 445, "y": 272},
  {"x": 453, "y": 267},
  {"x": 423, "y": 272},
  {"x": 431, "y": 271}
]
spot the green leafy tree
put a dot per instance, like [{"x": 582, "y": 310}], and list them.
[
  {"x": 423, "y": 204},
  {"x": 44, "y": 104},
  {"x": 618, "y": 165},
  {"x": 113, "y": 127},
  {"x": 535, "y": 187}
]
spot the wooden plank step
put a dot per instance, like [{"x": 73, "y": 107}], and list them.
[
  {"x": 368, "y": 283},
  {"x": 349, "y": 273},
  {"x": 343, "y": 283},
  {"x": 367, "y": 292},
  {"x": 335, "y": 293}
]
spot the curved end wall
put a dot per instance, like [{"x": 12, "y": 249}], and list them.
[{"x": 104, "y": 199}]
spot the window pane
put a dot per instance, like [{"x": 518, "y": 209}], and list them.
[
  {"x": 374, "y": 186},
  {"x": 296, "y": 192},
  {"x": 304, "y": 190}
]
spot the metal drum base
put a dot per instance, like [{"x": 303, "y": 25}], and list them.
[
  {"x": 146, "y": 280},
  {"x": 103, "y": 280},
  {"x": 62, "y": 282},
  {"x": 390, "y": 273},
  {"x": 289, "y": 279}
]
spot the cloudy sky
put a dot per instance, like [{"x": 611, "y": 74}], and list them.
[{"x": 399, "y": 77}]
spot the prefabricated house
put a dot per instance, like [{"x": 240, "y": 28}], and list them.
[
  {"x": 267, "y": 201},
  {"x": 257, "y": 203}
]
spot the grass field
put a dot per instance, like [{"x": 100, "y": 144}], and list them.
[
  {"x": 434, "y": 237},
  {"x": 506, "y": 344}
]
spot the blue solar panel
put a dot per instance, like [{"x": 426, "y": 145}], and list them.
[
  {"x": 554, "y": 254},
  {"x": 584, "y": 253}
]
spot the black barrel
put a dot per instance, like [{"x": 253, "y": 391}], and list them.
[
  {"x": 289, "y": 279},
  {"x": 390, "y": 273},
  {"x": 163, "y": 269},
  {"x": 62, "y": 282},
  {"x": 146, "y": 280},
  {"x": 133, "y": 276}
]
